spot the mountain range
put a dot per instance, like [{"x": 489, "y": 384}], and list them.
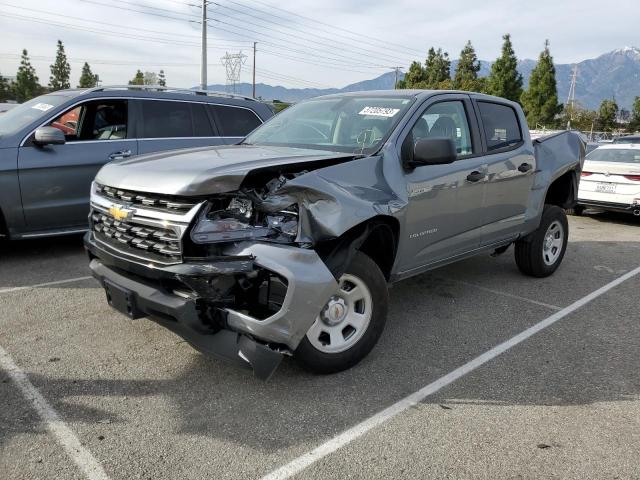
[{"x": 615, "y": 74}]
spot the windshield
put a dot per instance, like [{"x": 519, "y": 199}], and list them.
[
  {"x": 347, "y": 124},
  {"x": 618, "y": 155},
  {"x": 22, "y": 115}
]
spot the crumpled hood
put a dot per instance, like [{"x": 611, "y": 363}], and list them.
[{"x": 204, "y": 170}]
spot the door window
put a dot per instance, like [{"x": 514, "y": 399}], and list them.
[
  {"x": 95, "y": 120},
  {"x": 165, "y": 119},
  {"x": 501, "y": 127},
  {"x": 445, "y": 120},
  {"x": 234, "y": 121}
]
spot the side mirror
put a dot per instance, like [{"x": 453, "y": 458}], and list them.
[
  {"x": 48, "y": 136},
  {"x": 432, "y": 151}
]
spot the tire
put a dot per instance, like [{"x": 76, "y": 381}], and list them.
[
  {"x": 535, "y": 253},
  {"x": 320, "y": 351}
]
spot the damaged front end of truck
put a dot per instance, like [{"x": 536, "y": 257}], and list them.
[{"x": 243, "y": 273}]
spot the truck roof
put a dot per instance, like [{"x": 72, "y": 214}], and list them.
[{"x": 414, "y": 93}]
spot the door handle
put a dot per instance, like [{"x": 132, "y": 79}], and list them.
[
  {"x": 475, "y": 176},
  {"x": 120, "y": 155},
  {"x": 525, "y": 167}
]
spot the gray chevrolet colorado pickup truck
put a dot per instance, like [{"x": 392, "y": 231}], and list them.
[{"x": 285, "y": 243}]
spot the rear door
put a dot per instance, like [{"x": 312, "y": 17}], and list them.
[
  {"x": 444, "y": 215},
  {"x": 55, "y": 180},
  {"x": 511, "y": 169},
  {"x": 234, "y": 122},
  {"x": 172, "y": 124}
]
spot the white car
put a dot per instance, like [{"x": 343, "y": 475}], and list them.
[{"x": 611, "y": 179}]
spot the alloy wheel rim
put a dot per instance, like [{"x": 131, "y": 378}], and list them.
[
  {"x": 345, "y": 317},
  {"x": 553, "y": 243}
]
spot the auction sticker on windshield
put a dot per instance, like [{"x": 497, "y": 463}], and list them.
[
  {"x": 42, "y": 106},
  {"x": 379, "y": 111}
]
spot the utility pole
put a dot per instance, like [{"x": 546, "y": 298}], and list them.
[
  {"x": 203, "y": 65},
  {"x": 254, "y": 69},
  {"x": 571, "y": 100},
  {"x": 397, "y": 70}
]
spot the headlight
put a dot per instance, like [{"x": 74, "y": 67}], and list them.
[{"x": 239, "y": 220}]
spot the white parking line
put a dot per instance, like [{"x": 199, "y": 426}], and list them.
[
  {"x": 47, "y": 284},
  {"x": 80, "y": 455},
  {"x": 299, "y": 464},
  {"x": 505, "y": 294}
]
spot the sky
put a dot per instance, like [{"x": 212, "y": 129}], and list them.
[{"x": 301, "y": 43}]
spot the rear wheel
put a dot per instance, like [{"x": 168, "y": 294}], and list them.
[
  {"x": 540, "y": 253},
  {"x": 349, "y": 325}
]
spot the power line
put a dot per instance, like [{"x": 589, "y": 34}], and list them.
[
  {"x": 356, "y": 36},
  {"x": 307, "y": 33},
  {"x": 338, "y": 60}
]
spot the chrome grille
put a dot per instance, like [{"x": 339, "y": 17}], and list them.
[
  {"x": 153, "y": 242},
  {"x": 146, "y": 200}
]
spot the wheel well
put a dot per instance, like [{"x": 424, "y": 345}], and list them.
[
  {"x": 563, "y": 191},
  {"x": 376, "y": 238},
  {"x": 381, "y": 244}
]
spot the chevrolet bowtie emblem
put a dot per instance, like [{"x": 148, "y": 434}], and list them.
[{"x": 120, "y": 213}]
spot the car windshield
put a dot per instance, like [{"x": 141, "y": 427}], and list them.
[
  {"x": 22, "y": 115},
  {"x": 618, "y": 155},
  {"x": 344, "y": 124}
]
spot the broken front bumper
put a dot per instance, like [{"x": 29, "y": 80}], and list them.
[{"x": 243, "y": 338}]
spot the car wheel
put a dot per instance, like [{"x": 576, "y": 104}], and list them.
[
  {"x": 349, "y": 325},
  {"x": 540, "y": 253}
]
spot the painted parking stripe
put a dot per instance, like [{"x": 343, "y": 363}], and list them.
[
  {"x": 47, "y": 284},
  {"x": 63, "y": 434},
  {"x": 506, "y": 294},
  {"x": 299, "y": 464}
]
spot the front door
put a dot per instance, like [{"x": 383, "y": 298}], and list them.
[
  {"x": 444, "y": 215},
  {"x": 55, "y": 180}
]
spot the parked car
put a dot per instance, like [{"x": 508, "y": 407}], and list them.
[
  {"x": 52, "y": 146},
  {"x": 627, "y": 139},
  {"x": 285, "y": 243},
  {"x": 611, "y": 179}
]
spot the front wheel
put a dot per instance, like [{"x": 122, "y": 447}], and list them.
[
  {"x": 350, "y": 323},
  {"x": 540, "y": 253}
]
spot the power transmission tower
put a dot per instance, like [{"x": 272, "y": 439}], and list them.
[
  {"x": 571, "y": 99},
  {"x": 233, "y": 64},
  {"x": 203, "y": 61},
  {"x": 254, "y": 69}
]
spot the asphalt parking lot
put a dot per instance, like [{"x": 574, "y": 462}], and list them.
[{"x": 564, "y": 403}]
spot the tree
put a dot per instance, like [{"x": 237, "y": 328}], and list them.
[
  {"x": 162, "y": 81},
  {"x": 466, "y": 76},
  {"x": 27, "y": 84},
  {"x": 5, "y": 90},
  {"x": 138, "y": 79},
  {"x": 607, "y": 115},
  {"x": 437, "y": 69},
  {"x": 60, "y": 70},
  {"x": 540, "y": 101},
  {"x": 87, "y": 78},
  {"x": 504, "y": 79},
  {"x": 634, "y": 124},
  {"x": 414, "y": 77},
  {"x": 150, "y": 78}
]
